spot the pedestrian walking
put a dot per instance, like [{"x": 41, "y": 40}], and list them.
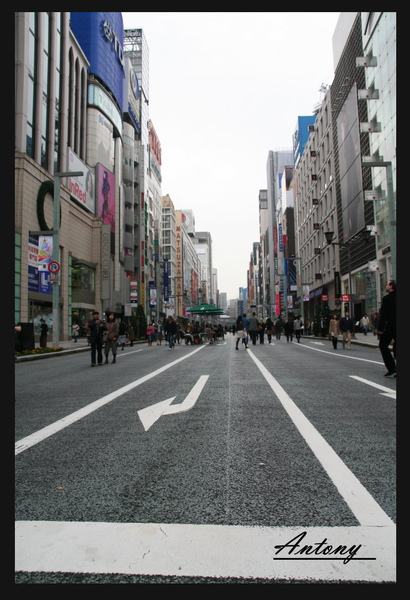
[
  {"x": 150, "y": 333},
  {"x": 334, "y": 330},
  {"x": 170, "y": 331},
  {"x": 365, "y": 323},
  {"x": 122, "y": 334},
  {"x": 240, "y": 332},
  {"x": 43, "y": 333},
  {"x": 160, "y": 333},
  {"x": 111, "y": 337},
  {"x": 279, "y": 327},
  {"x": 289, "y": 329},
  {"x": 96, "y": 328},
  {"x": 387, "y": 329},
  {"x": 253, "y": 328},
  {"x": 297, "y": 328},
  {"x": 347, "y": 328},
  {"x": 261, "y": 331},
  {"x": 269, "y": 329},
  {"x": 74, "y": 331},
  {"x": 131, "y": 334}
]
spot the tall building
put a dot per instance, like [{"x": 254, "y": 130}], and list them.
[
  {"x": 208, "y": 280},
  {"x": 277, "y": 161},
  {"x": 345, "y": 179},
  {"x": 51, "y": 123},
  {"x": 149, "y": 181},
  {"x": 315, "y": 204}
]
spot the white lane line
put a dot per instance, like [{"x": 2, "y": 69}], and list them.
[
  {"x": 345, "y": 355},
  {"x": 386, "y": 391},
  {"x": 361, "y": 503},
  {"x": 206, "y": 550},
  {"x": 46, "y": 432}
]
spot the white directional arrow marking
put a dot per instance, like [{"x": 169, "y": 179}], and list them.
[
  {"x": 151, "y": 414},
  {"x": 318, "y": 343},
  {"x": 385, "y": 390}
]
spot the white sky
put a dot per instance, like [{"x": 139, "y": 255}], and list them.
[{"x": 225, "y": 88}]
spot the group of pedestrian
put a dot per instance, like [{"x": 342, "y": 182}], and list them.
[
  {"x": 384, "y": 325},
  {"x": 255, "y": 329},
  {"x": 108, "y": 335},
  {"x": 341, "y": 327}
]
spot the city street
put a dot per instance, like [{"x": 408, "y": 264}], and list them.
[{"x": 206, "y": 464}]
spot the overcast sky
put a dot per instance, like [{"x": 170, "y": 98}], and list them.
[{"x": 225, "y": 88}]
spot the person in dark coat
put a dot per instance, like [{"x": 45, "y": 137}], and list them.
[
  {"x": 43, "y": 334},
  {"x": 289, "y": 329},
  {"x": 347, "y": 329},
  {"x": 96, "y": 328},
  {"x": 171, "y": 329},
  {"x": 387, "y": 328}
]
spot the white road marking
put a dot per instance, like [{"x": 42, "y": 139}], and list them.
[
  {"x": 46, "y": 432},
  {"x": 151, "y": 414},
  {"x": 333, "y": 353},
  {"x": 385, "y": 390},
  {"x": 361, "y": 503},
  {"x": 217, "y": 550},
  {"x": 203, "y": 550}
]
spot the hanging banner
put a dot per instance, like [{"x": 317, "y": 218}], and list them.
[{"x": 166, "y": 280}]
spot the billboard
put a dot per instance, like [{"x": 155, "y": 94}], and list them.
[
  {"x": 82, "y": 188},
  {"x": 132, "y": 99},
  {"x": 101, "y": 37},
  {"x": 106, "y": 196},
  {"x": 350, "y": 166},
  {"x": 40, "y": 253}
]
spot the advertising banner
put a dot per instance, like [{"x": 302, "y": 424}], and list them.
[
  {"x": 40, "y": 252},
  {"x": 82, "y": 188},
  {"x": 166, "y": 280},
  {"x": 106, "y": 196}
]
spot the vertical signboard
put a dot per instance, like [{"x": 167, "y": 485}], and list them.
[
  {"x": 166, "y": 280},
  {"x": 106, "y": 201},
  {"x": 133, "y": 290},
  {"x": 179, "y": 270},
  {"x": 105, "y": 262},
  {"x": 40, "y": 252}
]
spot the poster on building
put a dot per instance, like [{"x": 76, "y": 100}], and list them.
[
  {"x": 40, "y": 254},
  {"x": 82, "y": 188},
  {"x": 152, "y": 297},
  {"x": 305, "y": 292},
  {"x": 106, "y": 196}
]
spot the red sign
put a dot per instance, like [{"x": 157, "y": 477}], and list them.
[
  {"x": 325, "y": 297},
  {"x": 345, "y": 297},
  {"x": 54, "y": 266}
]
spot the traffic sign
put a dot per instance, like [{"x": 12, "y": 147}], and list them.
[{"x": 54, "y": 266}]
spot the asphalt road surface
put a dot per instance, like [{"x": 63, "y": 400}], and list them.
[{"x": 206, "y": 464}]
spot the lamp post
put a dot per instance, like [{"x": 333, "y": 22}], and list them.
[
  {"x": 56, "y": 249},
  {"x": 329, "y": 239}
]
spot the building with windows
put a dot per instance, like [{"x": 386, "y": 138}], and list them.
[
  {"x": 51, "y": 121},
  {"x": 345, "y": 179},
  {"x": 79, "y": 109},
  {"x": 277, "y": 161}
]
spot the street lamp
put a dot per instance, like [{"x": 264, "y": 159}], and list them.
[{"x": 56, "y": 249}]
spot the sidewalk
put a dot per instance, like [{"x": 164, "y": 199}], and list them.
[{"x": 81, "y": 345}]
